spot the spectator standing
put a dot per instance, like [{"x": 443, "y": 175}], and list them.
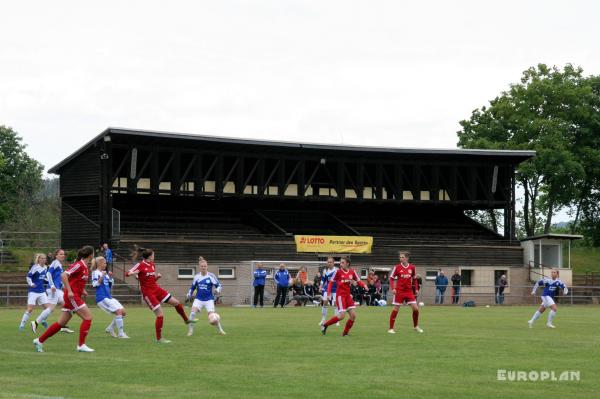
[
  {"x": 500, "y": 287},
  {"x": 108, "y": 255},
  {"x": 441, "y": 283},
  {"x": 456, "y": 278},
  {"x": 260, "y": 275},
  {"x": 282, "y": 278}
]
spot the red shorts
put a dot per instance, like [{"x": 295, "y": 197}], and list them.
[
  {"x": 155, "y": 297},
  {"x": 344, "y": 302},
  {"x": 404, "y": 297},
  {"x": 72, "y": 304}
]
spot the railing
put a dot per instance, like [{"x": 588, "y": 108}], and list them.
[
  {"x": 30, "y": 239},
  {"x": 16, "y": 295}
]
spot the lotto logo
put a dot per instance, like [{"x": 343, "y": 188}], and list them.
[{"x": 312, "y": 240}]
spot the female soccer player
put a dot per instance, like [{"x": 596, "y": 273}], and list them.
[
  {"x": 325, "y": 278},
  {"x": 36, "y": 279},
  {"x": 551, "y": 287},
  {"x": 203, "y": 284},
  {"x": 54, "y": 290},
  {"x": 343, "y": 278},
  {"x": 102, "y": 281},
  {"x": 405, "y": 289},
  {"x": 74, "y": 280},
  {"x": 154, "y": 294}
]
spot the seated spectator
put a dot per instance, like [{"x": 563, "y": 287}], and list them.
[
  {"x": 310, "y": 293},
  {"x": 302, "y": 275},
  {"x": 368, "y": 295},
  {"x": 317, "y": 282},
  {"x": 358, "y": 294},
  {"x": 298, "y": 292}
]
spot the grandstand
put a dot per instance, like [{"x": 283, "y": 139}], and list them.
[{"x": 233, "y": 200}]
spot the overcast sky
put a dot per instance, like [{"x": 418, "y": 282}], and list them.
[{"x": 380, "y": 73}]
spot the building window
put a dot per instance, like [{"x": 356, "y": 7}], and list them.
[
  {"x": 186, "y": 273},
  {"x": 467, "y": 277},
  {"x": 226, "y": 272},
  {"x": 431, "y": 274}
]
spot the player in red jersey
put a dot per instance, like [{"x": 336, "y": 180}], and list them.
[
  {"x": 405, "y": 277},
  {"x": 344, "y": 278},
  {"x": 74, "y": 280},
  {"x": 154, "y": 294}
]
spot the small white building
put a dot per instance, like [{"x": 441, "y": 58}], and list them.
[{"x": 546, "y": 251}]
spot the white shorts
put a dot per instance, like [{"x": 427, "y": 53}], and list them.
[
  {"x": 109, "y": 305},
  {"x": 37, "y": 298},
  {"x": 209, "y": 305},
  {"x": 547, "y": 301},
  {"x": 57, "y": 298}
]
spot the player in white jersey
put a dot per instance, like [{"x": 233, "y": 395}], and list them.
[
  {"x": 204, "y": 283},
  {"x": 36, "y": 280},
  {"x": 103, "y": 281},
  {"x": 54, "y": 290},
  {"x": 551, "y": 287},
  {"x": 326, "y": 276}
]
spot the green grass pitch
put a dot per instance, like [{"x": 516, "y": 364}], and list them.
[{"x": 280, "y": 353}]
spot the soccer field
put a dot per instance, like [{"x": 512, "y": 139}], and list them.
[{"x": 280, "y": 353}]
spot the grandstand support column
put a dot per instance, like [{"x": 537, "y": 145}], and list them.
[
  {"x": 105, "y": 189},
  {"x": 509, "y": 210}
]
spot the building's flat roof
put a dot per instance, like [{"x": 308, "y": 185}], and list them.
[
  {"x": 554, "y": 237},
  {"x": 521, "y": 154}
]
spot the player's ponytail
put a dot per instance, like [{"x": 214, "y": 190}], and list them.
[
  {"x": 85, "y": 252},
  {"x": 147, "y": 252}
]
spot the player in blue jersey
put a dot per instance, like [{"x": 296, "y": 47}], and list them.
[
  {"x": 36, "y": 280},
  {"x": 103, "y": 281},
  {"x": 327, "y": 275},
  {"x": 54, "y": 290},
  {"x": 204, "y": 283},
  {"x": 551, "y": 287},
  {"x": 260, "y": 275}
]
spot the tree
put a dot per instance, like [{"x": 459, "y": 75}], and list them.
[
  {"x": 20, "y": 175},
  {"x": 555, "y": 113}
]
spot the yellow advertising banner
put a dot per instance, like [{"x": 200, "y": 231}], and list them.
[{"x": 334, "y": 244}]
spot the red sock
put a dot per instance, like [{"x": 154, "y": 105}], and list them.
[
  {"x": 83, "y": 331},
  {"x": 348, "y": 326},
  {"x": 393, "y": 318},
  {"x": 331, "y": 321},
  {"x": 158, "y": 325},
  {"x": 415, "y": 318},
  {"x": 53, "y": 329},
  {"x": 179, "y": 309}
]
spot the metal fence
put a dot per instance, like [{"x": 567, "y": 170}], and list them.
[
  {"x": 30, "y": 239},
  {"x": 16, "y": 295}
]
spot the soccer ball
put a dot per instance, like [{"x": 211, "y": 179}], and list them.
[
  {"x": 213, "y": 318},
  {"x": 382, "y": 302},
  {"x": 421, "y": 304}
]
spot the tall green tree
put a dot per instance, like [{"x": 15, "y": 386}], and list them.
[
  {"x": 555, "y": 113},
  {"x": 20, "y": 176}
]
